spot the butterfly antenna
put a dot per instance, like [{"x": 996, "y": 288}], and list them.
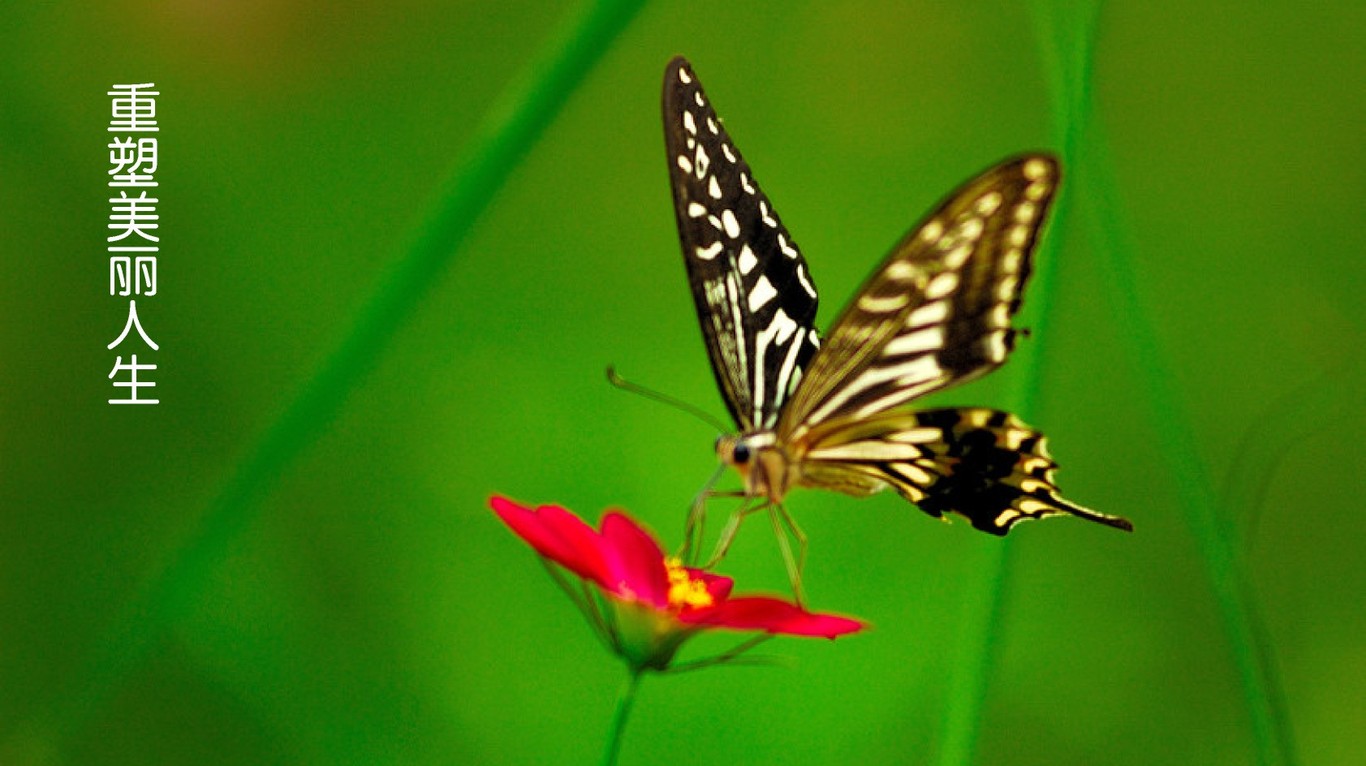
[{"x": 649, "y": 393}]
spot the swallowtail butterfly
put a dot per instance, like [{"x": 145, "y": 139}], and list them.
[{"x": 936, "y": 313}]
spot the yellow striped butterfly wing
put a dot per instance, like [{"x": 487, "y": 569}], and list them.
[{"x": 936, "y": 313}]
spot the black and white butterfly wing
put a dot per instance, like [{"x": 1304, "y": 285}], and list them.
[
  {"x": 755, "y": 299},
  {"x": 937, "y": 312}
]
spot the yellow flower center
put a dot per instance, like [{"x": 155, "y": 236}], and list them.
[{"x": 685, "y": 591}]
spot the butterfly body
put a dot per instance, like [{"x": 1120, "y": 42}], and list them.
[{"x": 937, "y": 312}]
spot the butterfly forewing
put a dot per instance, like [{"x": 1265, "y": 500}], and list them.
[
  {"x": 937, "y": 311},
  {"x": 754, "y": 296}
]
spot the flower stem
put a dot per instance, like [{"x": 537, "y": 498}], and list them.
[{"x": 625, "y": 701}]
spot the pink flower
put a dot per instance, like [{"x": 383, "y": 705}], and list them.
[{"x": 656, "y": 603}]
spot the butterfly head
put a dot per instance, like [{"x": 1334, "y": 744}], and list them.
[
  {"x": 760, "y": 461},
  {"x": 734, "y": 450}
]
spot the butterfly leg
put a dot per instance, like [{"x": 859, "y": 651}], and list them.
[
  {"x": 783, "y": 525},
  {"x": 695, "y": 527},
  {"x": 732, "y": 526},
  {"x": 694, "y": 533}
]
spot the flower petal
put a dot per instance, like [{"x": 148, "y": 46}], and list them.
[
  {"x": 718, "y": 586},
  {"x": 558, "y": 535},
  {"x": 634, "y": 561},
  {"x": 772, "y": 615}
]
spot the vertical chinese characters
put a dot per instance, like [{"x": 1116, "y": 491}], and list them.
[{"x": 133, "y": 242}]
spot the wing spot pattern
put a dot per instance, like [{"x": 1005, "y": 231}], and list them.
[
  {"x": 902, "y": 271},
  {"x": 917, "y": 436},
  {"x": 709, "y": 252},
  {"x": 732, "y": 225},
  {"x": 702, "y": 163},
  {"x": 920, "y": 341},
  {"x": 1011, "y": 260},
  {"x": 928, "y": 314},
  {"x": 1035, "y": 169},
  {"x": 884, "y": 304},
  {"x": 915, "y": 474},
  {"x": 957, "y": 256},
  {"x": 988, "y": 203},
  {"x": 761, "y": 294},
  {"x": 747, "y": 260},
  {"x": 806, "y": 283},
  {"x": 996, "y": 346},
  {"x": 763, "y": 213},
  {"x": 1005, "y": 289},
  {"x": 999, "y": 316},
  {"x": 941, "y": 285}
]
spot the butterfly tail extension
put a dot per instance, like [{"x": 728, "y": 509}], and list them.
[
  {"x": 984, "y": 465},
  {"x": 994, "y": 470}
]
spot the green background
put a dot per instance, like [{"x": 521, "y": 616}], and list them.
[{"x": 291, "y": 560}]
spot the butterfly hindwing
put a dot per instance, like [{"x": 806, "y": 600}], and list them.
[
  {"x": 755, "y": 299},
  {"x": 982, "y": 464},
  {"x": 937, "y": 312}
]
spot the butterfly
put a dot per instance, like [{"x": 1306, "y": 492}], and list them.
[{"x": 830, "y": 414}]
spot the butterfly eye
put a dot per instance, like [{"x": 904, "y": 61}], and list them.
[{"x": 740, "y": 455}]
